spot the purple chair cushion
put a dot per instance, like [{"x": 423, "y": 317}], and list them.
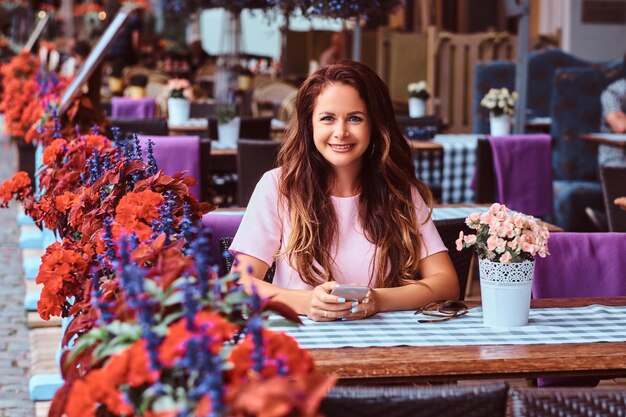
[
  {"x": 581, "y": 265},
  {"x": 176, "y": 154},
  {"x": 523, "y": 171},
  {"x": 132, "y": 108},
  {"x": 222, "y": 224}
]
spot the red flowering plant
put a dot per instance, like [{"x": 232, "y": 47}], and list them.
[
  {"x": 153, "y": 331},
  {"x": 19, "y": 89},
  {"x": 194, "y": 345}
]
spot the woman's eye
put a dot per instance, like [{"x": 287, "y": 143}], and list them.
[
  {"x": 355, "y": 119},
  {"x": 327, "y": 119}
]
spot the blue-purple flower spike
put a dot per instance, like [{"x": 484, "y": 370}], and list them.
[
  {"x": 199, "y": 248},
  {"x": 152, "y": 163},
  {"x": 56, "y": 120}
]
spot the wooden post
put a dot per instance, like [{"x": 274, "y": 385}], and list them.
[{"x": 520, "y": 9}]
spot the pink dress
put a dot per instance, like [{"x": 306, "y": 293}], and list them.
[{"x": 265, "y": 227}]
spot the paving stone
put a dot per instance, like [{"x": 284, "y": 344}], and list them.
[{"x": 14, "y": 344}]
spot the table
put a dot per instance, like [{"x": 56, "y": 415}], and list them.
[
  {"x": 410, "y": 364},
  {"x": 195, "y": 126},
  {"x": 539, "y": 124},
  {"x": 454, "y": 171},
  {"x": 611, "y": 139}
]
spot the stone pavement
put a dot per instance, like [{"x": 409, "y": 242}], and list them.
[{"x": 14, "y": 344}]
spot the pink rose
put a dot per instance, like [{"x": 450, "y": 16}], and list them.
[{"x": 506, "y": 257}]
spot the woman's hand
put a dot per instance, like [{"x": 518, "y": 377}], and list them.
[
  {"x": 366, "y": 308},
  {"x": 327, "y": 307}
]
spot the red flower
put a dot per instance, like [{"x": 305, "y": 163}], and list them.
[
  {"x": 18, "y": 185},
  {"x": 275, "y": 346},
  {"x": 64, "y": 201},
  {"x": 62, "y": 273},
  {"x": 54, "y": 150},
  {"x": 208, "y": 323},
  {"x": 136, "y": 211}
]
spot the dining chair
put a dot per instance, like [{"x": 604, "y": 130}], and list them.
[
  {"x": 449, "y": 232},
  {"x": 613, "y": 182},
  {"x": 201, "y": 110},
  {"x": 131, "y": 108},
  {"x": 580, "y": 265},
  {"x": 254, "y": 158},
  {"x": 249, "y": 128},
  {"x": 515, "y": 170},
  {"x": 474, "y": 400},
  {"x": 175, "y": 154},
  {"x": 571, "y": 402},
  {"x": 152, "y": 126}
]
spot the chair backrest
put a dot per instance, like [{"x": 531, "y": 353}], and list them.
[
  {"x": 582, "y": 265},
  {"x": 201, "y": 110},
  {"x": 254, "y": 158},
  {"x": 403, "y": 401},
  {"x": 449, "y": 232},
  {"x": 249, "y": 128},
  {"x": 223, "y": 224},
  {"x": 133, "y": 108},
  {"x": 175, "y": 154},
  {"x": 542, "y": 65},
  {"x": 485, "y": 187},
  {"x": 156, "y": 126},
  {"x": 613, "y": 180},
  {"x": 429, "y": 125},
  {"x": 450, "y": 71},
  {"x": 571, "y": 402},
  {"x": 272, "y": 92},
  {"x": 575, "y": 109}
]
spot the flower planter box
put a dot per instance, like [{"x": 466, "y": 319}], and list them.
[{"x": 25, "y": 156}]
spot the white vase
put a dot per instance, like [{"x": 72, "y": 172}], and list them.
[
  {"x": 417, "y": 107},
  {"x": 177, "y": 110},
  {"x": 505, "y": 292},
  {"x": 500, "y": 125},
  {"x": 228, "y": 133}
]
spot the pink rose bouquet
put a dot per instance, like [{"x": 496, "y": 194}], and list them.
[{"x": 502, "y": 236}]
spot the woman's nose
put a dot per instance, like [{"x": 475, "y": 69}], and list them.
[{"x": 340, "y": 130}]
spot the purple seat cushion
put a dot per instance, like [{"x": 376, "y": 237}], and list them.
[
  {"x": 132, "y": 108},
  {"x": 523, "y": 170},
  {"x": 176, "y": 154},
  {"x": 581, "y": 265}
]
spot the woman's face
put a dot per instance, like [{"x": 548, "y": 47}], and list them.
[{"x": 341, "y": 127}]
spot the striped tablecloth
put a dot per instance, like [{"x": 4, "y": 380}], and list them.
[
  {"x": 458, "y": 165},
  {"x": 594, "y": 323}
]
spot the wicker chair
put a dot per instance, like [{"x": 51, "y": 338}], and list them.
[
  {"x": 572, "y": 402},
  {"x": 156, "y": 126},
  {"x": 254, "y": 158},
  {"x": 250, "y": 128},
  {"x": 613, "y": 181},
  {"x": 437, "y": 401},
  {"x": 449, "y": 232}
]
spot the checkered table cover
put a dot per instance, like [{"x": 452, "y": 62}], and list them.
[
  {"x": 595, "y": 323},
  {"x": 459, "y": 163}
]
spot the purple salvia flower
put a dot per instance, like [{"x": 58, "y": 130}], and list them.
[{"x": 152, "y": 163}]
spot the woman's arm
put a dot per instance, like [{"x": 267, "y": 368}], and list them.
[
  {"x": 318, "y": 304},
  {"x": 439, "y": 282}
]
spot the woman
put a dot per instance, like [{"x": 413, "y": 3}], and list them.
[{"x": 344, "y": 207}]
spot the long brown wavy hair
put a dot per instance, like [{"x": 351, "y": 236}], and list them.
[{"x": 386, "y": 209}]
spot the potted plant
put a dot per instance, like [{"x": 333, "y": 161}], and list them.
[
  {"x": 227, "y": 125},
  {"x": 179, "y": 96},
  {"x": 506, "y": 244},
  {"x": 418, "y": 94},
  {"x": 501, "y": 105}
]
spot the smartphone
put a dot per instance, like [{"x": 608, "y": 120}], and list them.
[{"x": 351, "y": 292}]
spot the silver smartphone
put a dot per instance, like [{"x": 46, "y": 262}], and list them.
[{"x": 351, "y": 292}]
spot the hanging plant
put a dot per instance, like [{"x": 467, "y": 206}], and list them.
[{"x": 345, "y": 9}]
